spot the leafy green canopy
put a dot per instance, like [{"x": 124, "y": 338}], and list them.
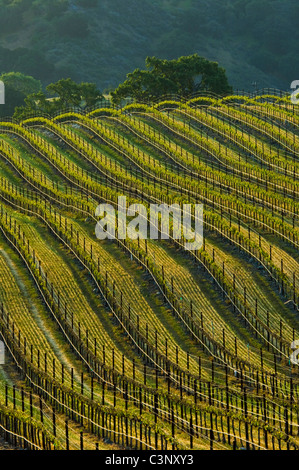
[
  {"x": 23, "y": 83},
  {"x": 17, "y": 87},
  {"x": 66, "y": 93},
  {"x": 182, "y": 76}
]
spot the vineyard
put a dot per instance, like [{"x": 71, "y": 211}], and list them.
[{"x": 141, "y": 344}]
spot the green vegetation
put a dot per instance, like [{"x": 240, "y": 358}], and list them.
[
  {"x": 138, "y": 343},
  {"x": 100, "y": 41},
  {"x": 181, "y": 77},
  {"x": 65, "y": 93},
  {"x": 124, "y": 344},
  {"x": 17, "y": 87}
]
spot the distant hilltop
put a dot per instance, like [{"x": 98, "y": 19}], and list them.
[{"x": 100, "y": 41}]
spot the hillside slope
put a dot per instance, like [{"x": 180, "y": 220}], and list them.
[{"x": 102, "y": 41}]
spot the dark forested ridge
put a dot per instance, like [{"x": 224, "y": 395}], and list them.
[{"x": 102, "y": 40}]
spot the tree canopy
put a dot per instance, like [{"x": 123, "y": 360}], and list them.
[
  {"x": 181, "y": 76},
  {"x": 23, "y": 83},
  {"x": 62, "y": 94}
]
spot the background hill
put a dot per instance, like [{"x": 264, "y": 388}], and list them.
[{"x": 102, "y": 40}]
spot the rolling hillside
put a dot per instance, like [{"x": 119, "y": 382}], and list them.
[
  {"x": 140, "y": 344},
  {"x": 101, "y": 41}
]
